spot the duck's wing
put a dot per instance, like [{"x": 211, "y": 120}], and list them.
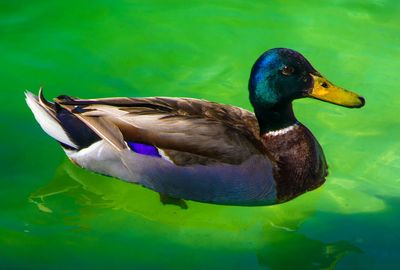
[{"x": 188, "y": 131}]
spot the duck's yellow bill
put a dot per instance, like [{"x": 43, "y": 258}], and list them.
[{"x": 326, "y": 91}]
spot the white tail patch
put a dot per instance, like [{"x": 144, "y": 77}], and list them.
[{"x": 51, "y": 126}]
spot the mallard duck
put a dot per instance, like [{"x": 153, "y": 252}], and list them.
[{"x": 194, "y": 149}]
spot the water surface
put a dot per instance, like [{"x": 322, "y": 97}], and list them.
[{"x": 55, "y": 215}]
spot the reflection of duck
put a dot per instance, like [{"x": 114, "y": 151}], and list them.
[
  {"x": 305, "y": 253},
  {"x": 199, "y": 150}
]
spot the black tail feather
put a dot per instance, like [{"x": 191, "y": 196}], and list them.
[{"x": 78, "y": 131}]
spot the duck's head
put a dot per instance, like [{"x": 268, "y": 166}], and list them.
[{"x": 281, "y": 75}]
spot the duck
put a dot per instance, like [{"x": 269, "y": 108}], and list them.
[{"x": 194, "y": 149}]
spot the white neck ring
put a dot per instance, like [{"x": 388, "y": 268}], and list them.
[{"x": 281, "y": 131}]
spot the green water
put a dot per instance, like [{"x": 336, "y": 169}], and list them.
[{"x": 55, "y": 215}]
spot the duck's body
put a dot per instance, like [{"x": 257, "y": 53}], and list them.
[{"x": 189, "y": 148}]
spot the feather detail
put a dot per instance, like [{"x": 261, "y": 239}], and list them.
[
  {"x": 42, "y": 100},
  {"x": 46, "y": 118},
  {"x": 102, "y": 127},
  {"x": 189, "y": 131},
  {"x": 165, "y": 156}
]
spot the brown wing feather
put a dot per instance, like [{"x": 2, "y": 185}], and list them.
[
  {"x": 103, "y": 127},
  {"x": 190, "y": 131}
]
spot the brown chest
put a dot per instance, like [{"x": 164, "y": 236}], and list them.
[{"x": 300, "y": 163}]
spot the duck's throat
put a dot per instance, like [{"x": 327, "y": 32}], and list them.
[{"x": 275, "y": 118}]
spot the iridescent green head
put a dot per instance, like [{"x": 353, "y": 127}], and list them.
[{"x": 281, "y": 75}]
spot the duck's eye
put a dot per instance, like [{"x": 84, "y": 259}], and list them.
[{"x": 287, "y": 70}]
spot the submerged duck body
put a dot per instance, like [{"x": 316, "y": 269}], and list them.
[{"x": 200, "y": 150}]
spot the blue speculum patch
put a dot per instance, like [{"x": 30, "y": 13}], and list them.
[{"x": 144, "y": 149}]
